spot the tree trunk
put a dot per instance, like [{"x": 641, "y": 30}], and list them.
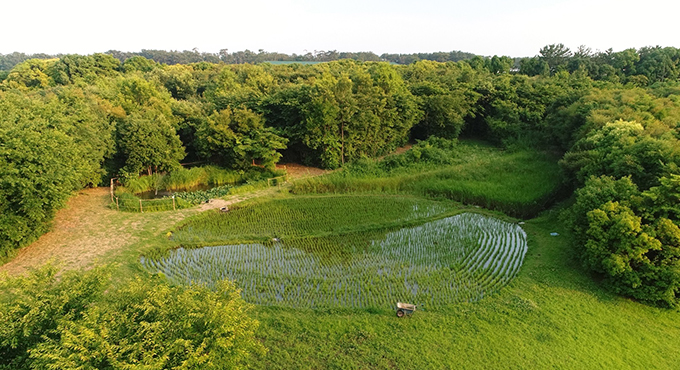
[{"x": 342, "y": 142}]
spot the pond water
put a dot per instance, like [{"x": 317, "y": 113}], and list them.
[
  {"x": 462, "y": 258},
  {"x": 152, "y": 194}
]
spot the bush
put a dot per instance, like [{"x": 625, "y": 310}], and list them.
[
  {"x": 81, "y": 320},
  {"x": 627, "y": 237},
  {"x": 32, "y": 308}
]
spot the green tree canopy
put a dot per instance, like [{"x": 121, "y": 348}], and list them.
[{"x": 236, "y": 137}]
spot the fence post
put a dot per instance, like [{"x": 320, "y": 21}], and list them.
[
  {"x": 112, "y": 189},
  {"x": 140, "y": 206},
  {"x": 117, "y": 206},
  {"x": 173, "y": 203}
]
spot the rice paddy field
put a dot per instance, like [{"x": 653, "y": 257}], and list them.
[{"x": 349, "y": 252}]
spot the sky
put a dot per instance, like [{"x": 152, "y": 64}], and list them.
[{"x": 486, "y": 27}]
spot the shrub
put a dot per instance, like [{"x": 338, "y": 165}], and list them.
[{"x": 81, "y": 320}]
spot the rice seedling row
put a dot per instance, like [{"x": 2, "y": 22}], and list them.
[
  {"x": 455, "y": 259},
  {"x": 299, "y": 217}
]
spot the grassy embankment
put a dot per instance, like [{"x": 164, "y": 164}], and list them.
[{"x": 520, "y": 183}]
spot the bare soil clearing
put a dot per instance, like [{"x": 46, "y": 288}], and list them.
[
  {"x": 296, "y": 171},
  {"x": 87, "y": 230}
]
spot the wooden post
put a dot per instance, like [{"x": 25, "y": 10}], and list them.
[
  {"x": 140, "y": 206},
  {"x": 117, "y": 206},
  {"x": 173, "y": 203},
  {"x": 112, "y": 189}
]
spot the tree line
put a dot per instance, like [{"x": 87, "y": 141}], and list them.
[
  {"x": 8, "y": 61},
  {"x": 76, "y": 120}
]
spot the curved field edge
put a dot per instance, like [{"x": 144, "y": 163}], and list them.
[
  {"x": 459, "y": 258},
  {"x": 551, "y": 315},
  {"x": 160, "y": 247}
]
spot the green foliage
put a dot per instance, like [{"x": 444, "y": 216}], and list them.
[
  {"x": 200, "y": 196},
  {"x": 639, "y": 67},
  {"x": 32, "y": 73},
  {"x": 627, "y": 236},
  {"x": 45, "y": 155},
  {"x": 446, "y": 97},
  {"x": 33, "y": 307},
  {"x": 149, "y": 144},
  {"x": 183, "y": 179},
  {"x": 236, "y": 137},
  {"x": 160, "y": 327},
  {"x": 519, "y": 109},
  {"x": 146, "y": 134},
  {"x": 81, "y": 320},
  {"x": 72, "y": 69},
  {"x": 138, "y": 63},
  {"x": 623, "y": 149},
  {"x": 348, "y": 110}
]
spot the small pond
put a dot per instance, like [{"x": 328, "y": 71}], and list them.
[{"x": 152, "y": 194}]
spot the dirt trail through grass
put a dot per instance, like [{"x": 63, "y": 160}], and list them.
[{"x": 87, "y": 230}]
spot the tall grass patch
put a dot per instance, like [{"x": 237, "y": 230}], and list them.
[
  {"x": 518, "y": 183},
  {"x": 184, "y": 179}
]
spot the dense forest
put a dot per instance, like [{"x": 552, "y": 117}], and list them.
[{"x": 613, "y": 117}]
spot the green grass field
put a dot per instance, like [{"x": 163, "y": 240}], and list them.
[
  {"x": 520, "y": 184},
  {"x": 550, "y": 316}
]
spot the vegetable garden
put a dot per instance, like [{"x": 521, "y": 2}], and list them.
[{"x": 348, "y": 251}]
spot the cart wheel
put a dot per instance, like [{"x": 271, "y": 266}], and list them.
[{"x": 400, "y": 313}]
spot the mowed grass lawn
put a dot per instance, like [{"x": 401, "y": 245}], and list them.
[{"x": 552, "y": 316}]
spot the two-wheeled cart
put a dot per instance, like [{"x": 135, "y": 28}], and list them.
[{"x": 404, "y": 309}]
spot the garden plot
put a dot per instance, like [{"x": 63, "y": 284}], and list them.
[{"x": 462, "y": 258}]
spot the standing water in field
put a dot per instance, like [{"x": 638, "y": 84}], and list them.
[{"x": 462, "y": 258}]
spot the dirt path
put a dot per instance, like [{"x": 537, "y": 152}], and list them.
[
  {"x": 87, "y": 230},
  {"x": 83, "y": 231}
]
